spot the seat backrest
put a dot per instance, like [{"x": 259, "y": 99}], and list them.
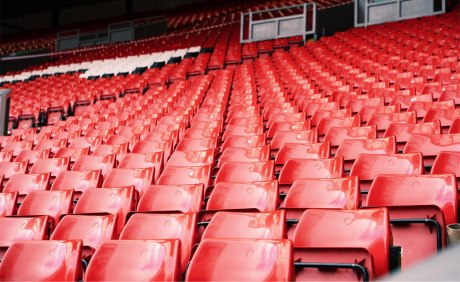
[
  {"x": 334, "y": 193},
  {"x": 299, "y": 137},
  {"x": 246, "y": 172},
  {"x": 79, "y": 181},
  {"x": 416, "y": 190},
  {"x": 181, "y": 226},
  {"x": 336, "y": 135},
  {"x": 244, "y": 141},
  {"x": 303, "y": 151},
  {"x": 22, "y": 228},
  {"x": 246, "y": 225},
  {"x": 197, "y": 144},
  {"x": 55, "y": 260},
  {"x": 140, "y": 178},
  {"x": 186, "y": 175},
  {"x": 368, "y": 166},
  {"x": 311, "y": 168},
  {"x": 8, "y": 169},
  {"x": 118, "y": 201},
  {"x": 143, "y": 260},
  {"x": 92, "y": 230},
  {"x": 350, "y": 149},
  {"x": 8, "y": 201},
  {"x": 232, "y": 263},
  {"x": 172, "y": 198},
  {"x": 347, "y": 229},
  {"x": 104, "y": 164},
  {"x": 192, "y": 158},
  {"x": 54, "y": 166},
  {"x": 137, "y": 160},
  {"x": 402, "y": 132},
  {"x": 51, "y": 203},
  {"x": 25, "y": 183},
  {"x": 431, "y": 145},
  {"x": 447, "y": 162},
  {"x": 261, "y": 196}
]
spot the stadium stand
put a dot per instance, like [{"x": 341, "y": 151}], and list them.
[{"x": 192, "y": 157}]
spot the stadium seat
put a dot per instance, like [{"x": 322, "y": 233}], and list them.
[
  {"x": 180, "y": 175},
  {"x": 143, "y": 260},
  {"x": 104, "y": 164},
  {"x": 196, "y": 144},
  {"x": 298, "y": 137},
  {"x": 336, "y": 135},
  {"x": 115, "y": 201},
  {"x": 382, "y": 121},
  {"x": 431, "y": 145},
  {"x": 17, "y": 147},
  {"x": 172, "y": 198},
  {"x": 402, "y": 131},
  {"x": 72, "y": 154},
  {"x": 417, "y": 211},
  {"x": 78, "y": 181},
  {"x": 8, "y": 169},
  {"x": 31, "y": 156},
  {"x": 8, "y": 202},
  {"x": 233, "y": 263},
  {"x": 302, "y": 151},
  {"x": 20, "y": 229},
  {"x": 192, "y": 158},
  {"x": 340, "y": 241},
  {"x": 288, "y": 126},
  {"x": 447, "y": 162},
  {"x": 50, "y": 203},
  {"x": 52, "y": 145},
  {"x": 25, "y": 183},
  {"x": 327, "y": 123},
  {"x": 42, "y": 261},
  {"x": 54, "y": 166},
  {"x": 240, "y": 225},
  {"x": 180, "y": 226},
  {"x": 244, "y": 141},
  {"x": 245, "y": 172},
  {"x": 242, "y": 154},
  {"x": 137, "y": 160}
]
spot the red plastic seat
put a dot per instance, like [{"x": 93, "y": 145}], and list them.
[
  {"x": 172, "y": 198},
  {"x": 17, "y": 147},
  {"x": 330, "y": 113},
  {"x": 258, "y": 196},
  {"x": 92, "y": 230},
  {"x": 31, "y": 156},
  {"x": 245, "y": 121},
  {"x": 78, "y": 181},
  {"x": 336, "y": 135},
  {"x": 367, "y": 112},
  {"x": 104, "y": 164},
  {"x": 245, "y": 172},
  {"x": 382, "y": 121},
  {"x": 415, "y": 201},
  {"x": 72, "y": 154},
  {"x": 42, "y": 261},
  {"x": 431, "y": 145},
  {"x": 119, "y": 150},
  {"x": 422, "y": 108},
  {"x": 327, "y": 123},
  {"x": 179, "y": 175},
  {"x": 455, "y": 127},
  {"x": 288, "y": 126},
  {"x": 244, "y": 141},
  {"x": 54, "y": 166},
  {"x": 6, "y": 156},
  {"x": 241, "y": 154},
  {"x": 350, "y": 149},
  {"x": 232, "y": 263},
  {"x": 86, "y": 142},
  {"x": 243, "y": 130},
  {"x": 21, "y": 229},
  {"x": 447, "y": 162},
  {"x": 52, "y": 145},
  {"x": 201, "y": 144},
  {"x": 116, "y": 201},
  {"x": 402, "y": 132},
  {"x": 25, "y": 183},
  {"x": 146, "y": 260},
  {"x": 8, "y": 203},
  {"x": 8, "y": 169},
  {"x": 191, "y": 158},
  {"x": 294, "y": 169},
  {"x": 140, "y": 178},
  {"x": 174, "y": 226},
  {"x": 146, "y": 160},
  {"x": 298, "y": 137},
  {"x": 50, "y": 203},
  {"x": 235, "y": 225},
  {"x": 198, "y": 133},
  {"x": 303, "y": 151},
  {"x": 342, "y": 237}
]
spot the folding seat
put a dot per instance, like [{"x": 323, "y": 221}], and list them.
[
  {"x": 340, "y": 241},
  {"x": 406, "y": 100},
  {"x": 69, "y": 135},
  {"x": 311, "y": 108},
  {"x": 357, "y": 105},
  {"x": 179, "y": 226},
  {"x": 192, "y": 158},
  {"x": 8, "y": 202},
  {"x": 445, "y": 117},
  {"x": 179, "y": 175},
  {"x": 422, "y": 108},
  {"x": 32, "y": 156},
  {"x": 241, "y": 154},
  {"x": 417, "y": 211},
  {"x": 202, "y": 133},
  {"x": 254, "y": 196},
  {"x": 85, "y": 142},
  {"x": 321, "y": 193},
  {"x": 54, "y": 166},
  {"x": 297, "y": 137},
  {"x": 15, "y": 228},
  {"x": 245, "y": 172},
  {"x": 350, "y": 149},
  {"x": 342, "y": 113},
  {"x": 140, "y": 178},
  {"x": 243, "y": 130},
  {"x": 52, "y": 145},
  {"x": 196, "y": 144},
  {"x": 244, "y": 141},
  {"x": 382, "y": 121},
  {"x": 104, "y": 133},
  {"x": 447, "y": 95},
  {"x": 42, "y": 261},
  {"x": 112, "y": 201},
  {"x": 50, "y": 203},
  {"x": 8, "y": 169},
  {"x": 78, "y": 181},
  {"x": 25, "y": 183},
  {"x": 132, "y": 260},
  {"x": 302, "y": 151},
  {"x": 367, "y": 112},
  {"x": 137, "y": 160},
  {"x": 447, "y": 162},
  {"x": 6, "y": 156},
  {"x": 232, "y": 262},
  {"x": 455, "y": 127},
  {"x": 73, "y": 154},
  {"x": 119, "y": 150},
  {"x": 402, "y": 132},
  {"x": 90, "y": 162},
  {"x": 17, "y": 146},
  {"x": 123, "y": 141},
  {"x": 327, "y": 123},
  {"x": 368, "y": 166},
  {"x": 91, "y": 229},
  {"x": 297, "y": 117},
  {"x": 245, "y": 121},
  {"x": 288, "y": 126},
  {"x": 431, "y": 145},
  {"x": 294, "y": 169},
  {"x": 6, "y": 139}
]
